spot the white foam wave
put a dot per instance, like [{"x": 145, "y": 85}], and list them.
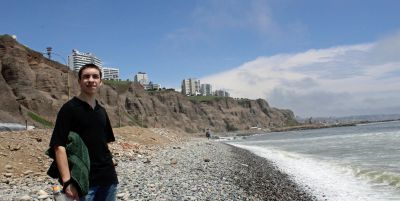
[
  {"x": 324, "y": 180},
  {"x": 330, "y": 137},
  {"x": 378, "y": 177}
]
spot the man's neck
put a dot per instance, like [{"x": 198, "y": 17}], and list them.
[{"x": 90, "y": 99}]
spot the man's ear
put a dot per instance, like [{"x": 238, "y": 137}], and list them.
[{"x": 101, "y": 82}]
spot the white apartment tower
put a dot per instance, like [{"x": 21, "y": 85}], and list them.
[
  {"x": 142, "y": 78},
  {"x": 110, "y": 73},
  {"x": 77, "y": 59},
  {"x": 221, "y": 93},
  {"x": 206, "y": 90},
  {"x": 190, "y": 87}
]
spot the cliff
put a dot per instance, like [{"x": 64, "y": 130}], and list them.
[{"x": 33, "y": 88}]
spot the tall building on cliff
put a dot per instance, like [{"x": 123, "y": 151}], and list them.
[
  {"x": 77, "y": 59},
  {"x": 221, "y": 93},
  {"x": 110, "y": 73},
  {"x": 142, "y": 78},
  {"x": 206, "y": 90},
  {"x": 190, "y": 87}
]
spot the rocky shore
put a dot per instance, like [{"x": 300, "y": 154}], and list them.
[{"x": 196, "y": 169}]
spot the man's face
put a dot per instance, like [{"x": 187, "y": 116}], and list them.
[{"x": 90, "y": 81}]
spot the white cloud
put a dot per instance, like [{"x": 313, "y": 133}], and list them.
[{"x": 343, "y": 80}]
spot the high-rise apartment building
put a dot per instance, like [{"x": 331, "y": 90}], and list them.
[
  {"x": 190, "y": 87},
  {"x": 206, "y": 90},
  {"x": 152, "y": 86},
  {"x": 221, "y": 93},
  {"x": 142, "y": 78},
  {"x": 77, "y": 59},
  {"x": 110, "y": 73}
]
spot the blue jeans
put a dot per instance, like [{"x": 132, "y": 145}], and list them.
[{"x": 101, "y": 193}]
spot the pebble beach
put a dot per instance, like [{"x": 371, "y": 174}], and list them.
[{"x": 196, "y": 169}]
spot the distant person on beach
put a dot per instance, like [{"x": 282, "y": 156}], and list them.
[
  {"x": 208, "y": 133},
  {"x": 84, "y": 116}
]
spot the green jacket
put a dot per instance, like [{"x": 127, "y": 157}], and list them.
[{"x": 78, "y": 162}]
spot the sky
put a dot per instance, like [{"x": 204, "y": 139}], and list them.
[{"x": 317, "y": 58}]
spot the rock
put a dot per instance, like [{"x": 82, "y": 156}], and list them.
[
  {"x": 174, "y": 161},
  {"x": 40, "y": 179},
  {"x": 25, "y": 198},
  {"x": 206, "y": 160},
  {"x": 14, "y": 148},
  {"x": 147, "y": 160},
  {"x": 41, "y": 197},
  {"x": 3, "y": 154},
  {"x": 42, "y": 192},
  {"x": 8, "y": 167},
  {"x": 8, "y": 174},
  {"x": 6, "y": 181},
  {"x": 120, "y": 195},
  {"x": 27, "y": 172}
]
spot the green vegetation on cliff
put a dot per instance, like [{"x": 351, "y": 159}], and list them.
[
  {"x": 118, "y": 85},
  {"x": 205, "y": 99},
  {"x": 40, "y": 120}
]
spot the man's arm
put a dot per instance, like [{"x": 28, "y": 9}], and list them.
[{"x": 63, "y": 168}]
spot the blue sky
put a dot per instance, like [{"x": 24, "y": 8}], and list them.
[{"x": 308, "y": 56}]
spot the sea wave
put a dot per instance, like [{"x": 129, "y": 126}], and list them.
[
  {"x": 378, "y": 176},
  {"x": 328, "y": 179}
]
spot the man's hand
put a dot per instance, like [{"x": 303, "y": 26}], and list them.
[
  {"x": 62, "y": 164},
  {"x": 72, "y": 192}
]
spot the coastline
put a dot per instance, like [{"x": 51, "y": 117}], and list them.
[{"x": 259, "y": 176}]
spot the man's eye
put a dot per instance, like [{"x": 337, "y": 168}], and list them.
[{"x": 93, "y": 76}]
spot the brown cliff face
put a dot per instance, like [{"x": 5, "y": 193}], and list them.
[{"x": 32, "y": 84}]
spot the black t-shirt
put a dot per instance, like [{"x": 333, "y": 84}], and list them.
[{"x": 93, "y": 126}]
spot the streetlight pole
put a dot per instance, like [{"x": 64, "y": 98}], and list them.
[
  {"x": 49, "y": 52},
  {"x": 119, "y": 111}
]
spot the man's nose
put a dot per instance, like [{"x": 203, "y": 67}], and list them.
[{"x": 91, "y": 78}]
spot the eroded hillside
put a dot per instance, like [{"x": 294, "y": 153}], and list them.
[{"x": 33, "y": 88}]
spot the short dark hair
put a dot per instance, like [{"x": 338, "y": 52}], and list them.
[{"x": 91, "y": 65}]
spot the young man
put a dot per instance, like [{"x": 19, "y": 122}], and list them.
[{"x": 84, "y": 116}]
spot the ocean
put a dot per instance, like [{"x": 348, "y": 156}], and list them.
[{"x": 359, "y": 162}]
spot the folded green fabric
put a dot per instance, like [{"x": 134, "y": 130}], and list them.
[{"x": 78, "y": 162}]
